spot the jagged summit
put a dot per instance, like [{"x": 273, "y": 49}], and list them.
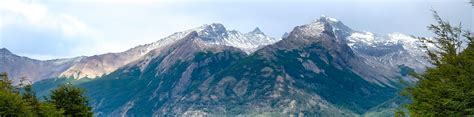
[
  {"x": 327, "y": 19},
  {"x": 218, "y": 34},
  {"x": 324, "y": 24},
  {"x": 285, "y": 35},
  {"x": 5, "y": 51},
  {"x": 214, "y": 27},
  {"x": 339, "y": 28},
  {"x": 257, "y": 31}
]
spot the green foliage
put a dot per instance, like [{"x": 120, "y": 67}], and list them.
[
  {"x": 448, "y": 88},
  {"x": 70, "y": 99},
  {"x": 21, "y": 100},
  {"x": 5, "y": 83},
  {"x": 29, "y": 97},
  {"x": 49, "y": 110},
  {"x": 447, "y": 42},
  {"x": 39, "y": 108},
  {"x": 11, "y": 103},
  {"x": 399, "y": 113},
  {"x": 43, "y": 88}
]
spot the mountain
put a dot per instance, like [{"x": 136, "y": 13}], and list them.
[
  {"x": 248, "y": 42},
  {"x": 312, "y": 69},
  {"x": 99, "y": 65},
  {"x": 392, "y": 50},
  {"x": 35, "y": 70},
  {"x": 323, "y": 68}
]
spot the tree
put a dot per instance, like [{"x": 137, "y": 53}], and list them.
[
  {"x": 447, "y": 89},
  {"x": 5, "y": 83},
  {"x": 70, "y": 99},
  {"x": 29, "y": 96},
  {"x": 11, "y": 103},
  {"x": 47, "y": 109},
  {"x": 38, "y": 108},
  {"x": 14, "y": 103}
]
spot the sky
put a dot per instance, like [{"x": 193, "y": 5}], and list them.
[{"x": 51, "y": 29}]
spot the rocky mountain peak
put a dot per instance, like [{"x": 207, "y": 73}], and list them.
[
  {"x": 323, "y": 25},
  {"x": 339, "y": 28},
  {"x": 323, "y": 18},
  {"x": 5, "y": 51},
  {"x": 213, "y": 28},
  {"x": 285, "y": 35},
  {"x": 212, "y": 32},
  {"x": 257, "y": 31},
  {"x": 217, "y": 34}
]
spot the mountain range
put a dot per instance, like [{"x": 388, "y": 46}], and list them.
[{"x": 322, "y": 68}]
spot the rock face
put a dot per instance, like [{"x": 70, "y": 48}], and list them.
[
  {"x": 35, "y": 70},
  {"x": 323, "y": 68}
]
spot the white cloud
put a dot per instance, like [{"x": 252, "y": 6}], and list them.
[
  {"x": 127, "y": 2},
  {"x": 71, "y": 25},
  {"x": 21, "y": 12},
  {"x": 32, "y": 29},
  {"x": 32, "y": 12}
]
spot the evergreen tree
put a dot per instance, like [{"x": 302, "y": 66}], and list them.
[
  {"x": 70, "y": 99},
  {"x": 29, "y": 95},
  {"x": 447, "y": 89},
  {"x": 44, "y": 109},
  {"x": 47, "y": 109},
  {"x": 11, "y": 103},
  {"x": 5, "y": 83}
]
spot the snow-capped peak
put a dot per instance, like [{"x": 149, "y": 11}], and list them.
[
  {"x": 257, "y": 31},
  {"x": 362, "y": 37},
  {"x": 371, "y": 39},
  {"x": 324, "y": 23},
  {"x": 214, "y": 27},
  {"x": 399, "y": 37},
  {"x": 323, "y": 17},
  {"x": 217, "y": 34}
]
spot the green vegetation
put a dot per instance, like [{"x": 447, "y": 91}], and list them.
[
  {"x": 447, "y": 89},
  {"x": 44, "y": 87},
  {"x": 11, "y": 103},
  {"x": 22, "y": 101},
  {"x": 71, "y": 99}
]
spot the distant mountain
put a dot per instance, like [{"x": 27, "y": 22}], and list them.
[
  {"x": 391, "y": 50},
  {"x": 323, "y": 68},
  {"x": 35, "y": 70},
  {"x": 99, "y": 65}
]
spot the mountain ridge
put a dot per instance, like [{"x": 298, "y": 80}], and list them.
[
  {"x": 102, "y": 64},
  {"x": 314, "y": 70},
  {"x": 322, "y": 68}
]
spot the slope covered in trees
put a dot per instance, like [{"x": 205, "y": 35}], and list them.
[{"x": 21, "y": 100}]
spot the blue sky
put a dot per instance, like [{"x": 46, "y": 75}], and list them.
[{"x": 47, "y": 29}]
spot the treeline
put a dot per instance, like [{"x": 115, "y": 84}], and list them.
[{"x": 21, "y": 100}]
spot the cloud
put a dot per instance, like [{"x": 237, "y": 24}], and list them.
[
  {"x": 30, "y": 28},
  {"x": 126, "y": 2},
  {"x": 20, "y": 12}
]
